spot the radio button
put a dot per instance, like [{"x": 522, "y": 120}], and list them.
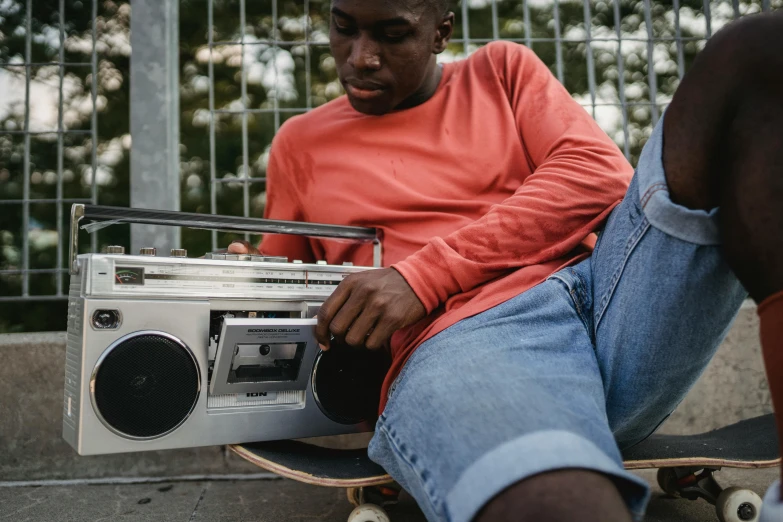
[{"x": 105, "y": 319}]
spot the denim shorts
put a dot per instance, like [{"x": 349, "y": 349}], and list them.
[{"x": 570, "y": 372}]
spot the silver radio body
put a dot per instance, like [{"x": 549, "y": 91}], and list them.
[{"x": 171, "y": 352}]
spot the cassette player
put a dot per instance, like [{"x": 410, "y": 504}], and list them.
[{"x": 169, "y": 351}]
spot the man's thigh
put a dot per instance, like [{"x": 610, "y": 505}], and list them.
[
  {"x": 663, "y": 299},
  {"x": 494, "y": 399}
]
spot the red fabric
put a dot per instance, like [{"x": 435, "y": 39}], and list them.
[
  {"x": 480, "y": 193},
  {"x": 771, "y": 323}
]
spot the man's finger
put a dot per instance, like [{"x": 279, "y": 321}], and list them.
[
  {"x": 343, "y": 320},
  {"x": 361, "y": 326},
  {"x": 380, "y": 336},
  {"x": 241, "y": 247},
  {"x": 327, "y": 311}
]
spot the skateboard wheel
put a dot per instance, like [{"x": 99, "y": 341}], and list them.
[
  {"x": 667, "y": 481},
  {"x": 368, "y": 513},
  {"x": 738, "y": 505}
]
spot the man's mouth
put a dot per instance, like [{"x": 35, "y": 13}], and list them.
[{"x": 364, "y": 91}]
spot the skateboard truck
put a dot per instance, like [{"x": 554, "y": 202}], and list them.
[{"x": 732, "y": 504}]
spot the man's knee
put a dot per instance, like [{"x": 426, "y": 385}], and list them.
[
  {"x": 569, "y": 494},
  {"x": 748, "y": 49}
]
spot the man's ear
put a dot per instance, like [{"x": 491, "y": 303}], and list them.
[{"x": 443, "y": 33}]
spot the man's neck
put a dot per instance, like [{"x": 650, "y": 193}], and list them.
[{"x": 426, "y": 91}]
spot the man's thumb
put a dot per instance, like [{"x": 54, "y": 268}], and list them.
[{"x": 238, "y": 247}]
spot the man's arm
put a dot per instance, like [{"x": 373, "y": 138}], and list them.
[{"x": 578, "y": 176}]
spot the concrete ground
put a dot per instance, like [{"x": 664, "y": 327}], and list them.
[
  {"x": 114, "y": 487},
  {"x": 270, "y": 499}
]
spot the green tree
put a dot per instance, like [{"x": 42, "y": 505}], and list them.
[{"x": 280, "y": 59}]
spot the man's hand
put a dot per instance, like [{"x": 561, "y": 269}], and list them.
[
  {"x": 242, "y": 247},
  {"x": 367, "y": 308}
]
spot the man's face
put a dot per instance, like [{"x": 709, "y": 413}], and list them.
[{"x": 385, "y": 49}]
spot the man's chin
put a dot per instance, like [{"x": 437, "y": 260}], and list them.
[{"x": 374, "y": 108}]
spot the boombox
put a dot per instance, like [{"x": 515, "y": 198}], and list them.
[{"x": 166, "y": 351}]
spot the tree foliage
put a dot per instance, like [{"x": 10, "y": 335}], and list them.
[{"x": 279, "y": 59}]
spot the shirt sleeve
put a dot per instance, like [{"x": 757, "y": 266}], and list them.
[
  {"x": 578, "y": 176},
  {"x": 282, "y": 203}
]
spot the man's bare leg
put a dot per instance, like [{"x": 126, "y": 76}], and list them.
[
  {"x": 559, "y": 495},
  {"x": 724, "y": 147}
]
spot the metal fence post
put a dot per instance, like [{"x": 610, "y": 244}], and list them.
[{"x": 154, "y": 118}]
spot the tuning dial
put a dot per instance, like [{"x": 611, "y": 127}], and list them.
[
  {"x": 115, "y": 249},
  {"x": 147, "y": 251},
  {"x": 179, "y": 252}
]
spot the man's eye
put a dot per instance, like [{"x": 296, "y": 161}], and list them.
[
  {"x": 395, "y": 36},
  {"x": 344, "y": 29}
]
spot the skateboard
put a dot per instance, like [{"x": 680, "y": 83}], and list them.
[
  {"x": 685, "y": 465},
  {"x": 369, "y": 488}
]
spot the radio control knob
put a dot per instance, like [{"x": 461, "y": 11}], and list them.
[
  {"x": 115, "y": 249},
  {"x": 179, "y": 252},
  {"x": 347, "y": 263},
  {"x": 297, "y": 261},
  {"x": 147, "y": 251},
  {"x": 320, "y": 262}
]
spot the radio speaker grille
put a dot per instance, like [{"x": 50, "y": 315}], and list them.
[{"x": 146, "y": 386}]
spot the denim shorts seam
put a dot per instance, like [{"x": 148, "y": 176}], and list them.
[
  {"x": 576, "y": 301},
  {"x": 584, "y": 304},
  {"x": 404, "y": 456},
  {"x": 631, "y": 243},
  {"x": 650, "y": 192}
]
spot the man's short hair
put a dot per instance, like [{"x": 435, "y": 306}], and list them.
[{"x": 442, "y": 6}]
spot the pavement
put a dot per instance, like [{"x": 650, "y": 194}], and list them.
[
  {"x": 43, "y": 479},
  {"x": 266, "y": 498}
]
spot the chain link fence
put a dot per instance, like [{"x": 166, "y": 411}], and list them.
[{"x": 245, "y": 66}]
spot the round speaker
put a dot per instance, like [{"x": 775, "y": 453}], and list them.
[
  {"x": 347, "y": 383},
  {"x": 145, "y": 385}
]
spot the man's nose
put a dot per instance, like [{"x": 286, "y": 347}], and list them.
[{"x": 365, "y": 54}]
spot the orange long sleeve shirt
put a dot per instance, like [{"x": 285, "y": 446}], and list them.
[{"x": 483, "y": 191}]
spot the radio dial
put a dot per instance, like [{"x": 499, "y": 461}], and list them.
[
  {"x": 115, "y": 249},
  {"x": 147, "y": 251},
  {"x": 179, "y": 252}
]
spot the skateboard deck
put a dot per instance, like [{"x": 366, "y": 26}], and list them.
[
  {"x": 315, "y": 465},
  {"x": 751, "y": 443},
  {"x": 685, "y": 466}
]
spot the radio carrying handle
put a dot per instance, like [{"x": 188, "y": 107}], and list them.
[{"x": 220, "y": 223}]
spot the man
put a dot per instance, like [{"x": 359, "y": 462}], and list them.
[{"x": 525, "y": 353}]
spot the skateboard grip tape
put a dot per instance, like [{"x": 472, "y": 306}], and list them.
[{"x": 770, "y": 313}]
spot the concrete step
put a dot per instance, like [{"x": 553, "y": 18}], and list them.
[{"x": 31, "y": 387}]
